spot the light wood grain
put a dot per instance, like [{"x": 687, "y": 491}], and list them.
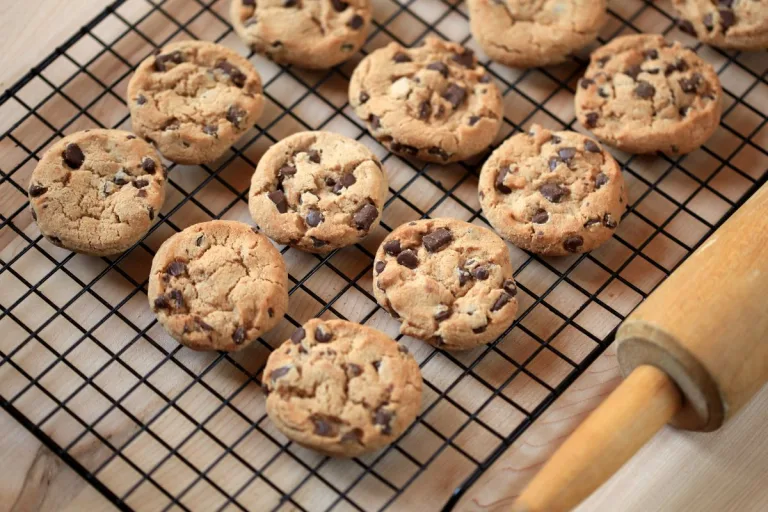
[{"x": 720, "y": 474}]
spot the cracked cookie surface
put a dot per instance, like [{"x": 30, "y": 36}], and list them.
[
  {"x": 449, "y": 282},
  {"x": 737, "y": 24},
  {"x": 218, "y": 285},
  {"x": 433, "y": 102},
  {"x": 552, "y": 193},
  {"x": 98, "y": 191},
  {"x": 317, "y": 191},
  {"x": 643, "y": 94},
  {"x": 194, "y": 99},
  {"x": 313, "y": 34},
  {"x": 342, "y": 388},
  {"x": 524, "y": 33}
]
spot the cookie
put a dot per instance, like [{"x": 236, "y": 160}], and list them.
[
  {"x": 736, "y": 24},
  {"x": 342, "y": 388},
  {"x": 432, "y": 102},
  {"x": 643, "y": 94},
  {"x": 312, "y": 34},
  {"x": 449, "y": 282},
  {"x": 317, "y": 191},
  {"x": 552, "y": 193},
  {"x": 97, "y": 192},
  {"x": 521, "y": 33},
  {"x": 194, "y": 99},
  {"x": 218, "y": 285}
]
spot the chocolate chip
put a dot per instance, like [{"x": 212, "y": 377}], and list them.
[
  {"x": 317, "y": 243},
  {"x": 573, "y": 243},
  {"x": 434, "y": 150},
  {"x": 683, "y": 111},
  {"x": 633, "y": 71},
  {"x": 442, "y": 314},
  {"x": 314, "y": 218},
  {"x": 485, "y": 79},
  {"x": 481, "y": 329},
  {"x": 591, "y": 146},
  {"x": 290, "y": 3},
  {"x": 346, "y": 181},
  {"x": 609, "y": 222},
  {"x": 314, "y": 156},
  {"x": 339, "y": 5},
  {"x": 540, "y": 217},
  {"x": 176, "y": 268},
  {"x": 278, "y": 197},
  {"x": 404, "y": 148},
  {"x": 148, "y": 165},
  {"x": 402, "y": 349},
  {"x": 567, "y": 154},
  {"x": 455, "y": 95},
  {"x": 602, "y": 61},
  {"x": 323, "y": 335},
  {"x": 500, "y": 302},
  {"x": 600, "y": 180},
  {"x": 686, "y": 26},
  {"x": 235, "y": 115},
  {"x": 602, "y": 93},
  {"x": 383, "y": 417},
  {"x": 151, "y": 213},
  {"x": 353, "y": 436},
  {"x": 401, "y": 57},
  {"x": 73, "y": 156},
  {"x": 553, "y": 161},
  {"x": 172, "y": 124},
  {"x": 140, "y": 183},
  {"x": 199, "y": 240},
  {"x": 436, "y": 240},
  {"x": 555, "y": 140},
  {"x": 408, "y": 259},
  {"x": 499, "y": 183},
  {"x": 440, "y": 67},
  {"x": 375, "y": 121},
  {"x": 298, "y": 335},
  {"x": 238, "y": 77},
  {"x": 645, "y": 90},
  {"x": 591, "y": 222},
  {"x": 553, "y": 192},
  {"x": 177, "y": 298},
  {"x": 681, "y": 65},
  {"x": 591, "y": 119},
  {"x": 392, "y": 247},
  {"x": 37, "y": 190},
  {"x": 141, "y": 99},
  {"x": 464, "y": 276},
  {"x": 365, "y": 216},
  {"x": 162, "y": 61},
  {"x": 727, "y": 19},
  {"x": 376, "y": 365},
  {"x": 584, "y": 83},
  {"x": 121, "y": 178},
  {"x": 425, "y": 109},
  {"x": 466, "y": 59},
  {"x": 142, "y": 193},
  {"x": 480, "y": 273},
  {"x": 161, "y": 302},
  {"x": 473, "y": 120},
  {"x": 650, "y": 54},
  {"x": 285, "y": 172},
  {"x": 709, "y": 22},
  {"x": 354, "y": 370},
  {"x": 239, "y": 337},
  {"x": 33, "y": 213},
  {"x": 380, "y": 266},
  {"x": 510, "y": 287},
  {"x": 330, "y": 181},
  {"x": 689, "y": 85},
  {"x": 355, "y": 22}
]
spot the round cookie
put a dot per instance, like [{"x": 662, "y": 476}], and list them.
[
  {"x": 317, "y": 191},
  {"x": 552, "y": 193},
  {"x": 643, "y": 94},
  {"x": 312, "y": 34},
  {"x": 523, "y": 34},
  {"x": 218, "y": 285},
  {"x": 737, "y": 24},
  {"x": 342, "y": 388},
  {"x": 449, "y": 282},
  {"x": 97, "y": 191},
  {"x": 194, "y": 99},
  {"x": 433, "y": 102}
]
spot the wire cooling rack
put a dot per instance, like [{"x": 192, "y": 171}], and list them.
[{"x": 154, "y": 426}]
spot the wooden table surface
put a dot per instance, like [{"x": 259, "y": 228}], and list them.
[{"x": 722, "y": 471}]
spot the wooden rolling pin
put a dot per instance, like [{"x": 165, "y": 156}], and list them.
[{"x": 693, "y": 354}]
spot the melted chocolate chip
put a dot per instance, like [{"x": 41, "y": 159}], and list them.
[
  {"x": 37, "y": 190},
  {"x": 375, "y": 121},
  {"x": 392, "y": 247},
  {"x": 584, "y": 83},
  {"x": 573, "y": 243},
  {"x": 540, "y": 217},
  {"x": 323, "y": 335},
  {"x": 140, "y": 183},
  {"x": 566, "y": 154},
  {"x": 609, "y": 222},
  {"x": 339, "y": 5},
  {"x": 440, "y": 67},
  {"x": 591, "y": 119},
  {"x": 235, "y": 115},
  {"x": 443, "y": 314},
  {"x": 408, "y": 259},
  {"x": 602, "y": 61},
  {"x": 480, "y": 273},
  {"x": 404, "y": 148},
  {"x": 285, "y": 171},
  {"x": 466, "y": 59},
  {"x": 355, "y": 22},
  {"x": 364, "y": 97},
  {"x": 383, "y": 417},
  {"x": 73, "y": 156},
  {"x": 401, "y": 57},
  {"x": 510, "y": 287},
  {"x": 591, "y": 146},
  {"x": 553, "y": 192},
  {"x": 727, "y": 19},
  {"x": 689, "y": 85},
  {"x": 436, "y": 240},
  {"x": 314, "y": 218},
  {"x": 314, "y": 156},
  {"x": 380, "y": 266},
  {"x": 317, "y": 243},
  {"x": 141, "y": 99},
  {"x": 686, "y": 26},
  {"x": 177, "y": 298},
  {"x": 238, "y": 77},
  {"x": 501, "y": 302},
  {"x": 455, "y": 95},
  {"x": 148, "y": 165},
  {"x": 553, "y": 161},
  {"x": 354, "y": 370},
  {"x": 645, "y": 90},
  {"x": 298, "y": 335},
  {"x": 709, "y": 22},
  {"x": 650, "y": 54},
  {"x": 434, "y": 150},
  {"x": 481, "y": 329},
  {"x": 176, "y": 268},
  {"x": 600, "y": 180},
  {"x": 633, "y": 71},
  {"x": 162, "y": 61},
  {"x": 683, "y": 111},
  {"x": 353, "y": 436},
  {"x": 346, "y": 181},
  {"x": 473, "y": 120},
  {"x": 425, "y": 110},
  {"x": 365, "y": 216},
  {"x": 239, "y": 336},
  {"x": 499, "y": 183},
  {"x": 278, "y": 197},
  {"x": 161, "y": 302}
]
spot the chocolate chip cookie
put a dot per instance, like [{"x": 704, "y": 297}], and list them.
[
  {"x": 643, "y": 94},
  {"x": 449, "y": 282},
  {"x": 98, "y": 191},
  {"x": 552, "y": 193},
  {"x": 342, "y": 388},
  {"x": 433, "y": 102},
  {"x": 522, "y": 33},
  {"x": 318, "y": 191},
  {"x": 194, "y": 99},
  {"x": 218, "y": 285},
  {"x": 737, "y": 24},
  {"x": 313, "y": 34}
]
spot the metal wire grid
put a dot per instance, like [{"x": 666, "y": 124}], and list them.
[{"x": 380, "y": 480}]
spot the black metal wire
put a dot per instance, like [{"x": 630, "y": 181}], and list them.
[{"x": 368, "y": 468}]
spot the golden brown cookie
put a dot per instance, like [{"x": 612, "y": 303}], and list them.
[
  {"x": 449, "y": 282},
  {"x": 737, "y": 24},
  {"x": 97, "y": 192},
  {"x": 342, "y": 388},
  {"x": 218, "y": 285}
]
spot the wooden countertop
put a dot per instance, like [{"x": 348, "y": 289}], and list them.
[{"x": 677, "y": 471}]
